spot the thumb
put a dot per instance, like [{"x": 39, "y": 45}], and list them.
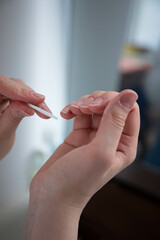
[
  {"x": 113, "y": 121},
  {"x": 12, "y": 116}
]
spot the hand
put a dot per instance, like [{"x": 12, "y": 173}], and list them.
[
  {"x": 102, "y": 143},
  {"x": 13, "y": 94}
]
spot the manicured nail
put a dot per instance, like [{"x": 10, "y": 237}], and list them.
[
  {"x": 87, "y": 102},
  {"x": 66, "y": 110},
  {"x": 37, "y": 95},
  {"x": 97, "y": 102},
  {"x": 127, "y": 100},
  {"x": 45, "y": 107},
  {"x": 78, "y": 103},
  {"x": 22, "y": 113}
]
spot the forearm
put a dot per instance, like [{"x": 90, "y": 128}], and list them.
[{"x": 50, "y": 221}]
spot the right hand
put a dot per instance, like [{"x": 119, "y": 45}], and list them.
[{"x": 13, "y": 94}]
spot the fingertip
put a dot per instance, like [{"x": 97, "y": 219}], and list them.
[
  {"x": 128, "y": 98},
  {"x": 36, "y": 98},
  {"x": 66, "y": 113},
  {"x": 67, "y": 116}
]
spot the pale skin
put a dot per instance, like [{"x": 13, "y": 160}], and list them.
[
  {"x": 102, "y": 143},
  {"x": 13, "y": 94}
]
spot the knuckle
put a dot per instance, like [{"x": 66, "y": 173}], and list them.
[
  {"x": 118, "y": 120},
  {"x": 13, "y": 118},
  {"x": 2, "y": 78},
  {"x": 13, "y": 115},
  {"x": 22, "y": 91}
]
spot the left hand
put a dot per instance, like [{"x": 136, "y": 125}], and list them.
[{"x": 102, "y": 143}]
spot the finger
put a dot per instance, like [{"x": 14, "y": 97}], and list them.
[
  {"x": 12, "y": 116},
  {"x": 75, "y": 107},
  {"x": 72, "y": 109},
  {"x": 2, "y": 98},
  {"x": 88, "y": 104},
  {"x": 96, "y": 120},
  {"x": 84, "y": 121},
  {"x": 88, "y": 99},
  {"x": 127, "y": 147},
  {"x": 98, "y": 106},
  {"x": 113, "y": 122},
  {"x": 44, "y": 107},
  {"x": 16, "y": 91},
  {"x": 3, "y": 106},
  {"x": 66, "y": 113},
  {"x": 88, "y": 121},
  {"x": 84, "y": 106},
  {"x": 92, "y": 97},
  {"x": 93, "y": 103}
]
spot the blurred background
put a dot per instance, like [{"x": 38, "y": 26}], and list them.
[{"x": 65, "y": 49}]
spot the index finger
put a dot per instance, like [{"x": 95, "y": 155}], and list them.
[{"x": 14, "y": 90}]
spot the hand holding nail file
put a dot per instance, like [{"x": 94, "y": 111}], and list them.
[{"x": 42, "y": 111}]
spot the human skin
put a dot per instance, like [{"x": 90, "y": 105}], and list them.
[
  {"x": 13, "y": 94},
  {"x": 102, "y": 143}
]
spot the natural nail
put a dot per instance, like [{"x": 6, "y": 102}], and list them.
[
  {"x": 87, "y": 102},
  {"x": 79, "y": 102},
  {"x": 45, "y": 107},
  {"x": 96, "y": 102},
  {"x": 37, "y": 95},
  {"x": 66, "y": 110},
  {"x": 127, "y": 100}
]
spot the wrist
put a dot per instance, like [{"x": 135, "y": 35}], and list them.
[{"x": 48, "y": 219}]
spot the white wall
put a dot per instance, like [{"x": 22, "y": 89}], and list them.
[
  {"x": 98, "y": 35},
  {"x": 32, "y": 47},
  {"x": 145, "y": 30}
]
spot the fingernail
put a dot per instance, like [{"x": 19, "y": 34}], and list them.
[
  {"x": 66, "y": 110},
  {"x": 37, "y": 95},
  {"x": 87, "y": 102},
  {"x": 128, "y": 99},
  {"x": 97, "y": 102},
  {"x": 77, "y": 104},
  {"x": 22, "y": 113},
  {"x": 45, "y": 107}
]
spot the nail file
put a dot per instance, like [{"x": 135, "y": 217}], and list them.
[{"x": 42, "y": 111}]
